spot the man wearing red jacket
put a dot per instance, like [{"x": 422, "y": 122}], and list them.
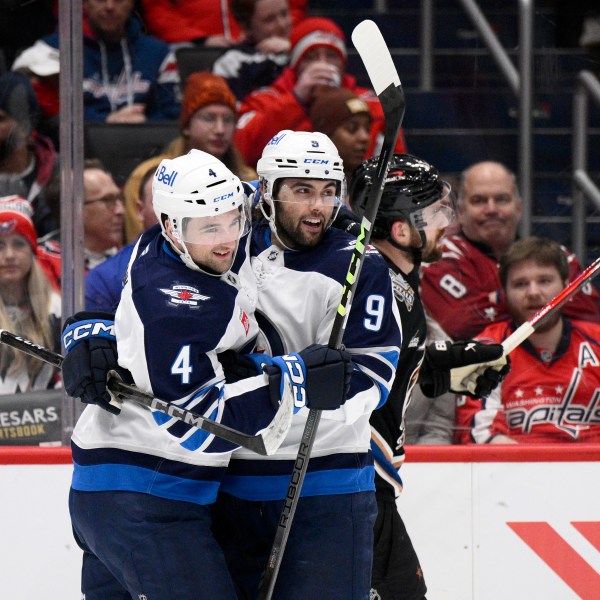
[
  {"x": 462, "y": 291},
  {"x": 318, "y": 57},
  {"x": 551, "y": 393}
]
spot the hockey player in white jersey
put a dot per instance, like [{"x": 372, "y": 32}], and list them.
[
  {"x": 300, "y": 264},
  {"x": 143, "y": 482}
]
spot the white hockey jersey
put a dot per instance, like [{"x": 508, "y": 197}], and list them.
[{"x": 299, "y": 293}]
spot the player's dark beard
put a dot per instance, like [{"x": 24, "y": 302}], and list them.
[{"x": 291, "y": 234}]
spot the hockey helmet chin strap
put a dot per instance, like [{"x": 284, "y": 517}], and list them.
[{"x": 267, "y": 199}]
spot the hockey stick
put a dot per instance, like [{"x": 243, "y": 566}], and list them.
[
  {"x": 379, "y": 65},
  {"x": 265, "y": 442},
  {"x": 521, "y": 333}
]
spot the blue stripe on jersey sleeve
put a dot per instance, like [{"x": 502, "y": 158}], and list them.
[{"x": 131, "y": 478}]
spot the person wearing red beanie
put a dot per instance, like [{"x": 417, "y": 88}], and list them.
[
  {"x": 317, "y": 58},
  {"x": 29, "y": 306}
]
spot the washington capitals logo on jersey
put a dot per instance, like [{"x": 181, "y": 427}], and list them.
[
  {"x": 184, "y": 294},
  {"x": 403, "y": 291}
]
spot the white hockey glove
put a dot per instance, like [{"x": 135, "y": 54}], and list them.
[{"x": 465, "y": 367}]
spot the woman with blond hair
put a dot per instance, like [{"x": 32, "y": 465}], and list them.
[{"x": 29, "y": 305}]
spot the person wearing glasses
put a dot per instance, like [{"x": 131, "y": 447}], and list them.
[{"x": 103, "y": 218}]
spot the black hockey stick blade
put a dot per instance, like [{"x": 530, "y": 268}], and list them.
[
  {"x": 265, "y": 442},
  {"x": 379, "y": 65}
]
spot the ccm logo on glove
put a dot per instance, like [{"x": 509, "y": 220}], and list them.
[{"x": 81, "y": 330}]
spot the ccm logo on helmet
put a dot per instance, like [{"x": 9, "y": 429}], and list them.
[
  {"x": 224, "y": 197},
  {"x": 166, "y": 178},
  {"x": 94, "y": 328},
  {"x": 316, "y": 161}
]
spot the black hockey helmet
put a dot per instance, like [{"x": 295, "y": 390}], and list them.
[{"x": 410, "y": 186}]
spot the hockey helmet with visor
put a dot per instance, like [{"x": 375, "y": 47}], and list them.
[{"x": 202, "y": 201}]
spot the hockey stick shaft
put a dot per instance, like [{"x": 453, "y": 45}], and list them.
[
  {"x": 264, "y": 443},
  {"x": 379, "y": 64}
]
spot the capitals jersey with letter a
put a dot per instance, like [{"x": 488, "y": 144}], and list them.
[
  {"x": 299, "y": 293},
  {"x": 171, "y": 323},
  {"x": 544, "y": 398}
]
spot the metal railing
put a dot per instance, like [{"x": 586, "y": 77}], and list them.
[
  {"x": 587, "y": 86},
  {"x": 519, "y": 80}
]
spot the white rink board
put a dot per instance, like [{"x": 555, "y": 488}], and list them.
[
  {"x": 456, "y": 514},
  {"x": 39, "y": 558}
]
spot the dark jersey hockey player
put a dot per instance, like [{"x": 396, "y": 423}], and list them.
[{"x": 414, "y": 211}]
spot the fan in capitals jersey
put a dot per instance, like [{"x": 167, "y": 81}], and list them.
[
  {"x": 545, "y": 398},
  {"x": 462, "y": 290}
]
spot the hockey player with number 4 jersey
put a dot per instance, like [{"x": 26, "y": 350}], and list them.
[{"x": 143, "y": 481}]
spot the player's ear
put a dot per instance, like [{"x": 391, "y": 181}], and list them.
[{"x": 400, "y": 233}]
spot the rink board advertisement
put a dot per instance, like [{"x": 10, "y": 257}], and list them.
[
  {"x": 488, "y": 523},
  {"x": 31, "y": 418}
]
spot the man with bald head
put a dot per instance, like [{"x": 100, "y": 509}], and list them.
[{"x": 461, "y": 292}]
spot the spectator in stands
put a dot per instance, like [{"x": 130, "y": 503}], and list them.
[
  {"x": 551, "y": 392},
  {"x": 28, "y": 160},
  {"x": 29, "y": 306},
  {"x": 210, "y": 23},
  {"x": 128, "y": 76},
  {"x": 318, "y": 57},
  {"x": 259, "y": 59},
  {"x": 207, "y": 122},
  {"x": 462, "y": 293},
  {"x": 103, "y": 216},
  {"x": 103, "y": 283},
  {"x": 346, "y": 119}
]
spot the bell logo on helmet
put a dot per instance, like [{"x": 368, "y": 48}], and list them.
[
  {"x": 166, "y": 178},
  {"x": 276, "y": 139}
]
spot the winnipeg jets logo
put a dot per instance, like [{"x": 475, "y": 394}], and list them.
[{"x": 184, "y": 294}]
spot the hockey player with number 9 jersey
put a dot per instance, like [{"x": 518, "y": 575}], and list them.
[{"x": 300, "y": 264}]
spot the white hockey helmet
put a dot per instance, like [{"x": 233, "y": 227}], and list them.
[
  {"x": 309, "y": 155},
  {"x": 193, "y": 186}
]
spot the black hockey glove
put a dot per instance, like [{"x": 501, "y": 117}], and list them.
[
  {"x": 456, "y": 367},
  {"x": 319, "y": 375},
  {"x": 91, "y": 346},
  {"x": 348, "y": 221}
]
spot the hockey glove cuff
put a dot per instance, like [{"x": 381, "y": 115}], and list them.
[
  {"x": 327, "y": 376},
  {"x": 91, "y": 347}
]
